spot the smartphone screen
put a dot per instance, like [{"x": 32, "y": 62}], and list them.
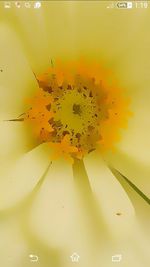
[{"x": 74, "y": 133}]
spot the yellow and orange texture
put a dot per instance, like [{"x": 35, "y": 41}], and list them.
[{"x": 74, "y": 135}]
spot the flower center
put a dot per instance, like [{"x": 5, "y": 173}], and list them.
[
  {"x": 77, "y": 113},
  {"x": 75, "y": 116}
]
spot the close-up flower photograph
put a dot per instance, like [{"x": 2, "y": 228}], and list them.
[{"x": 74, "y": 133}]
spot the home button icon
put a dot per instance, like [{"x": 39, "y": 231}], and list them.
[{"x": 75, "y": 257}]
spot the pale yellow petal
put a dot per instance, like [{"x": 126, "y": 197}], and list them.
[
  {"x": 13, "y": 247},
  {"x": 118, "y": 211},
  {"x": 132, "y": 154},
  {"x": 15, "y": 140},
  {"x": 19, "y": 178},
  {"x": 17, "y": 81},
  {"x": 52, "y": 208},
  {"x": 70, "y": 29},
  {"x": 55, "y": 215}
]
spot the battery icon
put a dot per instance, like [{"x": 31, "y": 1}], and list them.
[{"x": 123, "y": 5}]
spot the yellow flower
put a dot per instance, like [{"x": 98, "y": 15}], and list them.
[{"x": 97, "y": 206}]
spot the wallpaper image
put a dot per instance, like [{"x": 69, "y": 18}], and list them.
[{"x": 74, "y": 135}]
